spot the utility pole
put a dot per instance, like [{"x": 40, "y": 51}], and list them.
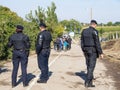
[{"x": 91, "y": 13}]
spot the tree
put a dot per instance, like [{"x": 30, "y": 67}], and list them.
[
  {"x": 58, "y": 31},
  {"x": 8, "y": 21},
  {"x": 109, "y": 23},
  {"x": 117, "y": 23},
  {"x": 71, "y": 25},
  {"x": 39, "y": 16},
  {"x": 49, "y": 17}
]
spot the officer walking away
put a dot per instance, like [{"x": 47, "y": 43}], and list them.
[
  {"x": 43, "y": 51},
  {"x": 92, "y": 50},
  {"x": 21, "y": 45}
]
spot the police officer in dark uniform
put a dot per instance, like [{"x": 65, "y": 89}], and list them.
[
  {"x": 21, "y": 45},
  {"x": 43, "y": 51},
  {"x": 92, "y": 50}
]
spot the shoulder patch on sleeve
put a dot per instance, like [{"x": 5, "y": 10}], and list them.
[
  {"x": 40, "y": 36},
  {"x": 95, "y": 33}
]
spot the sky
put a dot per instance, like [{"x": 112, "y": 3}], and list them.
[{"x": 102, "y": 10}]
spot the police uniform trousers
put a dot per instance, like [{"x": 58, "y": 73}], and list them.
[
  {"x": 90, "y": 62},
  {"x": 43, "y": 57},
  {"x": 19, "y": 57}
]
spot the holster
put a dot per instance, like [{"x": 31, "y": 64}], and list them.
[
  {"x": 91, "y": 50},
  {"x": 27, "y": 52}
]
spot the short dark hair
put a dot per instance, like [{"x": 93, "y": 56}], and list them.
[{"x": 93, "y": 21}]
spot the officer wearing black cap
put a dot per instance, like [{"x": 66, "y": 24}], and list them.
[
  {"x": 21, "y": 45},
  {"x": 43, "y": 51},
  {"x": 92, "y": 50}
]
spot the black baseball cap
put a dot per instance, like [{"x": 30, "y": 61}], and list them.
[
  {"x": 20, "y": 27},
  {"x": 93, "y": 21},
  {"x": 42, "y": 25}
]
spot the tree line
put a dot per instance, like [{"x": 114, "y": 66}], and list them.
[{"x": 9, "y": 20}]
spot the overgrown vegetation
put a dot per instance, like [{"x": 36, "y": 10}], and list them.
[
  {"x": 109, "y": 32},
  {"x": 9, "y": 20}
]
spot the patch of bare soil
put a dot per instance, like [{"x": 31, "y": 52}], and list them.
[
  {"x": 4, "y": 83},
  {"x": 113, "y": 70},
  {"x": 111, "y": 60},
  {"x": 2, "y": 64},
  {"x": 108, "y": 45}
]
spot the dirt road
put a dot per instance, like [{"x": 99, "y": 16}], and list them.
[{"x": 67, "y": 72}]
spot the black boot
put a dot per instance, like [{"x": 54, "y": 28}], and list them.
[
  {"x": 86, "y": 83},
  {"x": 14, "y": 85},
  {"x": 89, "y": 84},
  {"x": 41, "y": 81},
  {"x": 25, "y": 85}
]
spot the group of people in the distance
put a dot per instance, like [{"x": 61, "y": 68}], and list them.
[{"x": 62, "y": 43}]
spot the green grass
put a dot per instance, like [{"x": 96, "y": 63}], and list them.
[
  {"x": 106, "y": 31},
  {"x": 109, "y": 28}
]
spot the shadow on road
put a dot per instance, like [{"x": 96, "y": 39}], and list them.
[
  {"x": 30, "y": 76},
  {"x": 81, "y": 74},
  {"x": 50, "y": 73},
  {"x": 2, "y": 70}
]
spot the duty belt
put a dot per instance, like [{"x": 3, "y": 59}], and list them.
[
  {"x": 46, "y": 48},
  {"x": 89, "y": 46},
  {"x": 19, "y": 49}
]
